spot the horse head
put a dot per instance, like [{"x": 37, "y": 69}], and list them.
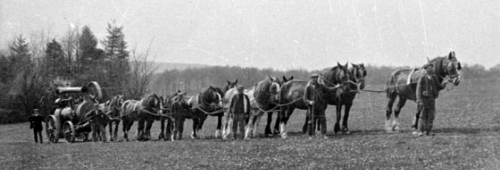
[
  {"x": 229, "y": 85},
  {"x": 453, "y": 68},
  {"x": 275, "y": 85},
  {"x": 152, "y": 102},
  {"x": 357, "y": 74},
  {"x": 211, "y": 97}
]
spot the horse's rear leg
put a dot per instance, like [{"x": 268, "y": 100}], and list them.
[
  {"x": 336, "y": 128},
  {"x": 391, "y": 96},
  {"x": 140, "y": 129},
  {"x": 401, "y": 104},
  {"x": 196, "y": 121}
]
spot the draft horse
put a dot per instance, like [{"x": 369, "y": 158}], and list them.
[
  {"x": 145, "y": 111},
  {"x": 402, "y": 84}
]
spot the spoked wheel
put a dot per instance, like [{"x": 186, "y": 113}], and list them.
[
  {"x": 69, "y": 132},
  {"x": 51, "y": 128}
]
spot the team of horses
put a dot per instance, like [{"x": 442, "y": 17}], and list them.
[{"x": 271, "y": 95}]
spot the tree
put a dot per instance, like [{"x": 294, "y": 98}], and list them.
[
  {"x": 141, "y": 75},
  {"x": 52, "y": 65},
  {"x": 90, "y": 59},
  {"x": 115, "y": 49}
]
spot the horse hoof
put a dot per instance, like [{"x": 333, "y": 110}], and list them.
[
  {"x": 284, "y": 135},
  {"x": 347, "y": 132}
]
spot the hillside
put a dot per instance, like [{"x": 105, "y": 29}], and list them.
[{"x": 162, "y": 66}]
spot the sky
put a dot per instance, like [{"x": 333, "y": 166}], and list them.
[{"x": 280, "y": 34}]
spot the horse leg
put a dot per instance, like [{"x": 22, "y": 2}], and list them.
[
  {"x": 148, "y": 128},
  {"x": 125, "y": 129},
  {"x": 224, "y": 125},
  {"x": 345, "y": 127},
  {"x": 277, "y": 124},
  {"x": 249, "y": 127},
  {"x": 168, "y": 133},
  {"x": 388, "y": 110},
  {"x": 140, "y": 129},
  {"x": 257, "y": 123},
  {"x": 219, "y": 125},
  {"x": 285, "y": 112},
  {"x": 401, "y": 104},
  {"x": 196, "y": 121},
  {"x": 115, "y": 133},
  {"x": 336, "y": 128},
  {"x": 110, "y": 124},
  {"x": 200, "y": 126},
  {"x": 304, "y": 127},
  {"x": 268, "y": 132},
  {"x": 162, "y": 129},
  {"x": 181, "y": 128}
]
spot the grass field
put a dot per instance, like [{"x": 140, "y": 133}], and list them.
[{"x": 467, "y": 136}]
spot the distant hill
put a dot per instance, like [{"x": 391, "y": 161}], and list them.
[{"x": 162, "y": 66}]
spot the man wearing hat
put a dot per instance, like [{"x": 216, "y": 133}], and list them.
[
  {"x": 314, "y": 97},
  {"x": 36, "y": 124},
  {"x": 427, "y": 91},
  {"x": 98, "y": 120},
  {"x": 239, "y": 111}
]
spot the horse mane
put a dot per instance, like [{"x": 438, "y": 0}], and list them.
[
  {"x": 146, "y": 101},
  {"x": 438, "y": 65}
]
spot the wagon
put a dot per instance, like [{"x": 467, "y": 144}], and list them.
[{"x": 69, "y": 122}]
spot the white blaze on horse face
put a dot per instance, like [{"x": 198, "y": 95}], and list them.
[
  {"x": 275, "y": 87},
  {"x": 220, "y": 99}
]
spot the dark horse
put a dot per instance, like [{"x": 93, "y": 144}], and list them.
[
  {"x": 292, "y": 92},
  {"x": 112, "y": 109},
  {"x": 402, "y": 84},
  {"x": 144, "y": 111},
  {"x": 357, "y": 74},
  {"x": 207, "y": 102}
]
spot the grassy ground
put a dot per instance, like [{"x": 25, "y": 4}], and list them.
[{"x": 467, "y": 137}]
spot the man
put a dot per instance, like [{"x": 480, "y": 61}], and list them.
[
  {"x": 239, "y": 111},
  {"x": 36, "y": 124},
  {"x": 97, "y": 122},
  {"x": 314, "y": 97},
  {"x": 427, "y": 91}
]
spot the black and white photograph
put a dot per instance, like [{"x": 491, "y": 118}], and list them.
[{"x": 239, "y": 84}]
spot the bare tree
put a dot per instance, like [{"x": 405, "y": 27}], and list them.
[{"x": 141, "y": 74}]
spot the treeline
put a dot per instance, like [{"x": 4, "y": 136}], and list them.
[
  {"x": 32, "y": 68},
  {"x": 193, "y": 80}
]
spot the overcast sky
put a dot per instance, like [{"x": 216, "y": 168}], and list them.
[{"x": 282, "y": 34}]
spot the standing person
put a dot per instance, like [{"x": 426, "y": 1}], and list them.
[
  {"x": 314, "y": 97},
  {"x": 427, "y": 91},
  {"x": 97, "y": 121},
  {"x": 36, "y": 124},
  {"x": 239, "y": 111}
]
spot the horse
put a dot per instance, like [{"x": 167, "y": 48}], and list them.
[
  {"x": 263, "y": 99},
  {"x": 292, "y": 92},
  {"x": 207, "y": 102},
  {"x": 144, "y": 111},
  {"x": 402, "y": 84},
  {"x": 112, "y": 109},
  {"x": 357, "y": 74}
]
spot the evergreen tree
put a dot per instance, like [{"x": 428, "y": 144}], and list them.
[
  {"x": 115, "y": 49},
  {"x": 90, "y": 58},
  {"x": 54, "y": 54}
]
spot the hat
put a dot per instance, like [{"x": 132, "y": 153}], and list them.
[
  {"x": 239, "y": 88},
  {"x": 36, "y": 110},
  {"x": 314, "y": 75},
  {"x": 427, "y": 65}
]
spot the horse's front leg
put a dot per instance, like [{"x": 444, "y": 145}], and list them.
[
  {"x": 336, "y": 128},
  {"x": 162, "y": 129},
  {"x": 140, "y": 129},
  {"x": 219, "y": 125},
  {"x": 345, "y": 128}
]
